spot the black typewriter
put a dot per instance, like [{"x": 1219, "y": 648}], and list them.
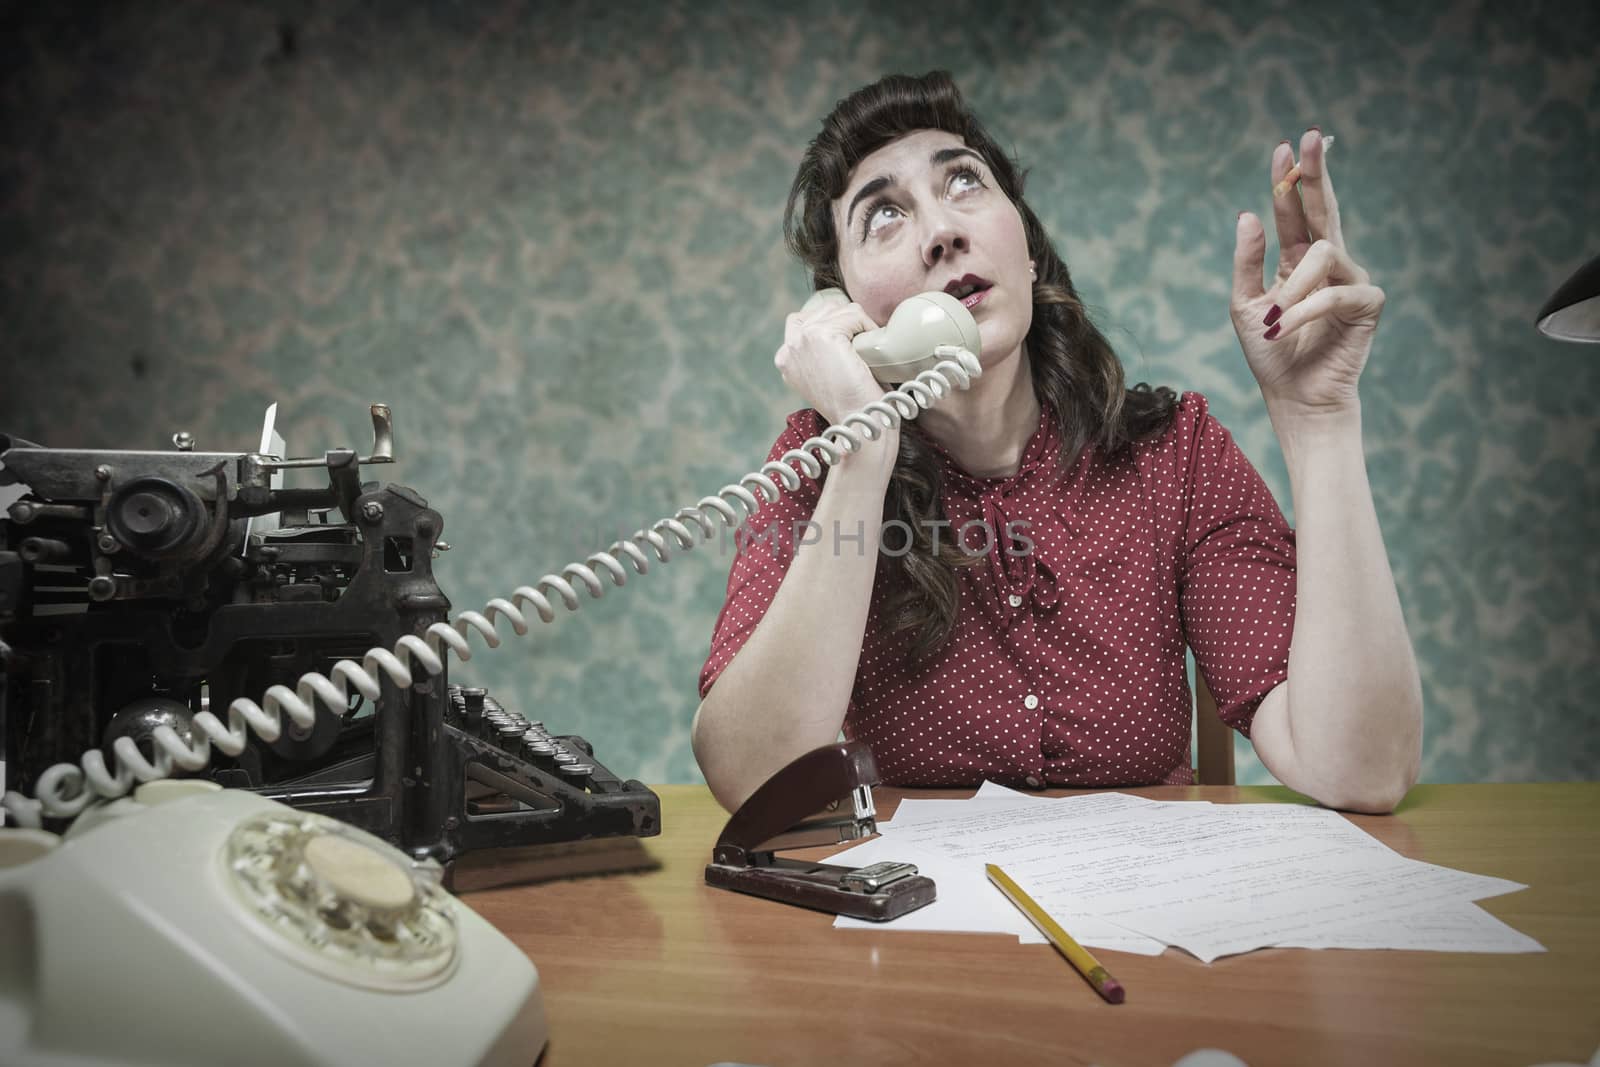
[{"x": 143, "y": 593}]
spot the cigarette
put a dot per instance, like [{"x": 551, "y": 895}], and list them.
[{"x": 1289, "y": 180}]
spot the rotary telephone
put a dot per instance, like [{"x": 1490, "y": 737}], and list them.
[{"x": 188, "y": 924}]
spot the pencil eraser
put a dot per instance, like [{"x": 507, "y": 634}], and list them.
[{"x": 1111, "y": 989}]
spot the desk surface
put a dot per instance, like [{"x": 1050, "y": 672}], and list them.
[{"x": 659, "y": 968}]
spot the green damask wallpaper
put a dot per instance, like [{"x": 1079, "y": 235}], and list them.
[{"x": 548, "y": 235}]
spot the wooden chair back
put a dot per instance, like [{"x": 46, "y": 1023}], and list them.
[{"x": 1213, "y": 738}]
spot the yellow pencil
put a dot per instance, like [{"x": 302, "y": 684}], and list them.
[{"x": 1107, "y": 986}]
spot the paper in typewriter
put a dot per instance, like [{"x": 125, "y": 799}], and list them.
[{"x": 1212, "y": 879}]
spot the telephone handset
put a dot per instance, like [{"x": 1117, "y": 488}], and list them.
[{"x": 908, "y": 344}]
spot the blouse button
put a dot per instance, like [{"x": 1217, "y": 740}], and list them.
[
  {"x": 1030, "y": 701},
  {"x": 1032, "y": 783},
  {"x": 1015, "y": 600}
]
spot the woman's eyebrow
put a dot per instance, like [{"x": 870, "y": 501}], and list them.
[
  {"x": 939, "y": 158},
  {"x": 875, "y": 185},
  {"x": 945, "y": 155}
]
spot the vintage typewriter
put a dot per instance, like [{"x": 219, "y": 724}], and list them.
[{"x": 139, "y": 590}]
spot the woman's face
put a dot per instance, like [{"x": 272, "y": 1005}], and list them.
[{"x": 925, "y": 212}]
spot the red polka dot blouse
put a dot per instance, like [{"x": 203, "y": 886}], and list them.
[{"x": 1066, "y": 666}]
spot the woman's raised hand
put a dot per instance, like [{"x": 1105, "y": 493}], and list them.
[
  {"x": 1306, "y": 336},
  {"x": 817, "y": 362}
]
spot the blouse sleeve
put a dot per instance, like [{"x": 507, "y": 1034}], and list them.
[
  {"x": 1237, "y": 573},
  {"x": 763, "y": 548}
]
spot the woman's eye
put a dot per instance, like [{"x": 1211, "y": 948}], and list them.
[
  {"x": 965, "y": 180},
  {"x": 879, "y": 217}
]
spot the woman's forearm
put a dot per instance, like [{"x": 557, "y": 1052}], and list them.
[
  {"x": 1348, "y": 729},
  {"x": 787, "y": 690}
]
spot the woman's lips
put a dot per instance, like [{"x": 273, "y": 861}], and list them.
[{"x": 972, "y": 300}]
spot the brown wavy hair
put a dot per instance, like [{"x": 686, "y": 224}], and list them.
[{"x": 1074, "y": 370}]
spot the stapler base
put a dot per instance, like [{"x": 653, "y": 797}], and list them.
[{"x": 818, "y": 885}]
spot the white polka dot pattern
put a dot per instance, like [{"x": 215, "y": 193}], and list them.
[{"x": 1067, "y": 663}]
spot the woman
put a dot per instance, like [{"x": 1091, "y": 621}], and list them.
[{"x": 1107, "y": 528}]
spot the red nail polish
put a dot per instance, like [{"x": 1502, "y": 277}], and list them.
[
  {"x": 1317, "y": 129},
  {"x": 1273, "y": 315},
  {"x": 1272, "y": 333}
]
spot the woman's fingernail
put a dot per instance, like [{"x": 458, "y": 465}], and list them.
[
  {"x": 1272, "y": 333},
  {"x": 1273, "y": 315},
  {"x": 1313, "y": 129}
]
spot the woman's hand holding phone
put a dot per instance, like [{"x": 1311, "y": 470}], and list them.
[{"x": 817, "y": 361}]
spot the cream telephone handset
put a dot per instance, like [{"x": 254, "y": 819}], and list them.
[
  {"x": 186, "y": 920},
  {"x": 910, "y": 342}
]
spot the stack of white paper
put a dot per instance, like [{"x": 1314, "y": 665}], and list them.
[{"x": 1125, "y": 873}]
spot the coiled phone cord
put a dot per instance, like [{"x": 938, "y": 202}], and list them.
[{"x": 65, "y": 789}]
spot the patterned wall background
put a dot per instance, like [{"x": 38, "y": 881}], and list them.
[{"x": 548, "y": 235}]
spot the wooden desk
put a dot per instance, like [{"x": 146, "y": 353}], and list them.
[{"x": 661, "y": 969}]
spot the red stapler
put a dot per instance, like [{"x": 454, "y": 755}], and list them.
[{"x": 822, "y": 798}]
